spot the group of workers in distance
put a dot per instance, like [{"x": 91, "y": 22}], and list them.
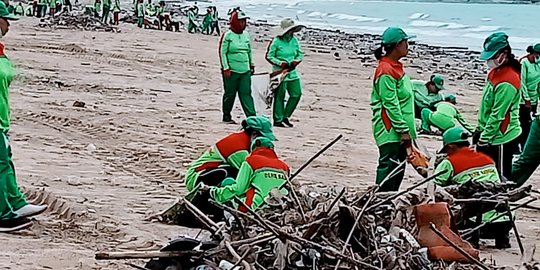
[{"x": 38, "y": 8}]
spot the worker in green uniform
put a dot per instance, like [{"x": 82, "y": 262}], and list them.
[
  {"x": 444, "y": 117},
  {"x": 150, "y": 9},
  {"x": 106, "y": 11},
  {"x": 193, "y": 26},
  {"x": 207, "y": 21},
  {"x": 215, "y": 22},
  {"x": 116, "y": 12},
  {"x": 97, "y": 8},
  {"x": 19, "y": 10},
  {"x": 140, "y": 13},
  {"x": 52, "y": 7},
  {"x": 160, "y": 11},
  {"x": 392, "y": 105},
  {"x": 237, "y": 66},
  {"x": 284, "y": 54},
  {"x": 498, "y": 118},
  {"x": 463, "y": 164},
  {"x": 260, "y": 173},
  {"x": 224, "y": 158},
  {"x": 427, "y": 94},
  {"x": 14, "y": 209},
  {"x": 42, "y": 8},
  {"x": 530, "y": 83}
]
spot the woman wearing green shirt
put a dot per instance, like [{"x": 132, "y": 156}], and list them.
[
  {"x": 285, "y": 55},
  {"x": 498, "y": 118},
  {"x": 530, "y": 83},
  {"x": 14, "y": 209},
  {"x": 237, "y": 66},
  {"x": 392, "y": 104}
]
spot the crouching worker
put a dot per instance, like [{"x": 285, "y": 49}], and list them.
[
  {"x": 262, "y": 172},
  {"x": 223, "y": 159},
  {"x": 445, "y": 116},
  {"x": 463, "y": 164}
]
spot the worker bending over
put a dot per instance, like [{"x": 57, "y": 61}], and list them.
[{"x": 444, "y": 117}]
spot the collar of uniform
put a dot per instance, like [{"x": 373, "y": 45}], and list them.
[
  {"x": 2, "y": 50},
  {"x": 265, "y": 151},
  {"x": 393, "y": 63}
]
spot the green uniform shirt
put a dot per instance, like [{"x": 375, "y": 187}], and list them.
[
  {"x": 229, "y": 151},
  {"x": 6, "y": 76},
  {"x": 498, "y": 117},
  {"x": 530, "y": 80},
  {"x": 140, "y": 10},
  {"x": 191, "y": 16},
  {"x": 445, "y": 116},
  {"x": 285, "y": 50},
  {"x": 116, "y": 6},
  {"x": 468, "y": 165},
  {"x": 107, "y": 3},
  {"x": 259, "y": 174},
  {"x": 215, "y": 16},
  {"x": 19, "y": 9},
  {"x": 422, "y": 97},
  {"x": 236, "y": 53},
  {"x": 392, "y": 103},
  {"x": 52, "y": 3}
]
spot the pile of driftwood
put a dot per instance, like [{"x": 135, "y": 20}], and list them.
[
  {"x": 77, "y": 21},
  {"x": 323, "y": 228}
]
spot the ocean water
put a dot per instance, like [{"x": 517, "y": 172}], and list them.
[{"x": 447, "y": 24}]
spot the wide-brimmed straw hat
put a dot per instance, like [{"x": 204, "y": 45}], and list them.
[{"x": 288, "y": 25}]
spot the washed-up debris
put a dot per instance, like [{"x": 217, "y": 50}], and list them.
[
  {"x": 77, "y": 21},
  {"x": 321, "y": 228}
]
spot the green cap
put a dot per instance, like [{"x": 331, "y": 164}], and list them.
[
  {"x": 536, "y": 48},
  {"x": 261, "y": 142},
  {"x": 261, "y": 124},
  {"x": 4, "y": 13},
  {"x": 493, "y": 44},
  {"x": 450, "y": 97},
  {"x": 438, "y": 80},
  {"x": 242, "y": 15},
  {"x": 394, "y": 35},
  {"x": 454, "y": 135}
]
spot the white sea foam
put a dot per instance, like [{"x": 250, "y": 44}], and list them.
[
  {"x": 314, "y": 14},
  {"x": 419, "y": 15},
  {"x": 422, "y": 23},
  {"x": 486, "y": 28},
  {"x": 349, "y": 17}
]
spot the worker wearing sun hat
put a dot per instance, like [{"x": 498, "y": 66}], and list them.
[
  {"x": 498, "y": 118},
  {"x": 237, "y": 66},
  {"x": 284, "y": 54},
  {"x": 427, "y": 94},
  {"x": 224, "y": 158},
  {"x": 392, "y": 105},
  {"x": 14, "y": 209},
  {"x": 444, "y": 117},
  {"x": 261, "y": 172},
  {"x": 464, "y": 164}
]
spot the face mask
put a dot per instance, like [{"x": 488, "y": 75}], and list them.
[{"x": 496, "y": 62}]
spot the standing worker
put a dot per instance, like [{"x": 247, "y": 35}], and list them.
[
  {"x": 262, "y": 172},
  {"x": 52, "y": 7},
  {"x": 529, "y": 159},
  {"x": 426, "y": 94},
  {"x": 160, "y": 11},
  {"x": 215, "y": 22},
  {"x": 140, "y": 13},
  {"x": 116, "y": 12},
  {"x": 285, "y": 55},
  {"x": 19, "y": 10},
  {"x": 444, "y": 117},
  {"x": 97, "y": 8},
  {"x": 530, "y": 83},
  {"x": 192, "y": 21},
  {"x": 392, "y": 104},
  {"x": 106, "y": 10},
  {"x": 14, "y": 209},
  {"x": 498, "y": 118},
  {"x": 207, "y": 21},
  {"x": 237, "y": 67},
  {"x": 224, "y": 158}
]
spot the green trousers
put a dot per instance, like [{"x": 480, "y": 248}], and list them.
[
  {"x": 294, "y": 88},
  {"x": 241, "y": 84},
  {"x": 426, "y": 124},
  {"x": 529, "y": 160},
  {"x": 105, "y": 14},
  {"x": 11, "y": 198},
  {"x": 390, "y": 156},
  {"x": 192, "y": 27},
  {"x": 140, "y": 21}
]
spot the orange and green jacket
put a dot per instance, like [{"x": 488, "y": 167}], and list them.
[
  {"x": 392, "y": 103},
  {"x": 498, "y": 118},
  {"x": 229, "y": 151},
  {"x": 260, "y": 173}
]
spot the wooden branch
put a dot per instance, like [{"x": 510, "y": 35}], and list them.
[
  {"x": 312, "y": 230},
  {"x": 456, "y": 247},
  {"x": 237, "y": 257},
  {"x": 145, "y": 254},
  {"x": 516, "y": 232}
]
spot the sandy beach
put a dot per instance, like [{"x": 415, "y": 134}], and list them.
[{"x": 153, "y": 104}]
